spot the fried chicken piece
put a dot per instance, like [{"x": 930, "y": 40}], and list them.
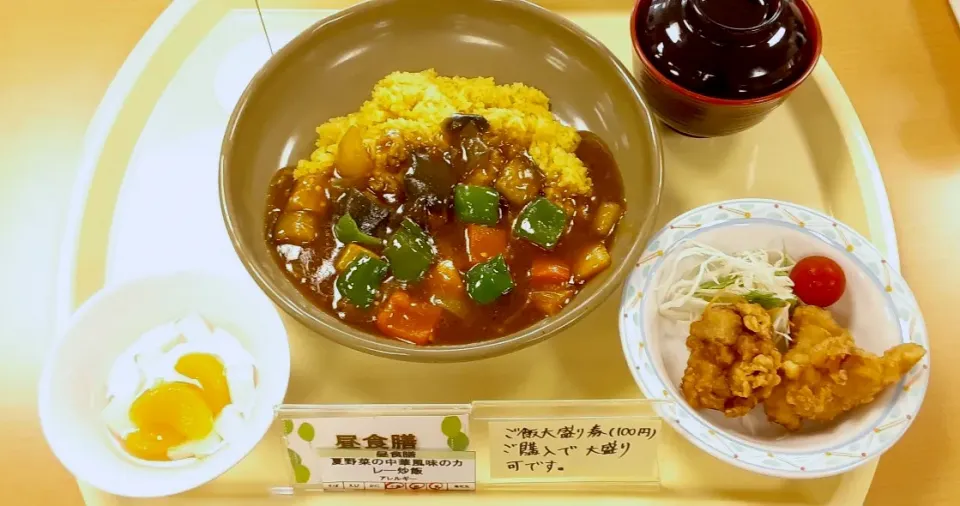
[
  {"x": 733, "y": 359},
  {"x": 825, "y": 374}
]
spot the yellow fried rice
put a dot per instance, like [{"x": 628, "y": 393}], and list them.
[{"x": 406, "y": 110}]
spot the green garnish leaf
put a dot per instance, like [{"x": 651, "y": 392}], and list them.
[
  {"x": 721, "y": 282},
  {"x": 765, "y": 300}
]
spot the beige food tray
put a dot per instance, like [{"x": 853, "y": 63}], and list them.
[{"x": 146, "y": 202}]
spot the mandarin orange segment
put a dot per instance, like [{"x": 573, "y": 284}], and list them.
[
  {"x": 152, "y": 443},
  {"x": 177, "y": 405},
  {"x": 208, "y": 370}
]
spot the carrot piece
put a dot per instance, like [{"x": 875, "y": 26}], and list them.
[
  {"x": 403, "y": 318},
  {"x": 549, "y": 271},
  {"x": 484, "y": 243}
]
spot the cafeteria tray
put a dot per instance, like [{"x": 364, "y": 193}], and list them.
[{"x": 146, "y": 202}]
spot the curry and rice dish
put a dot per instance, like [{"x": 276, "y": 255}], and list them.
[{"x": 447, "y": 210}]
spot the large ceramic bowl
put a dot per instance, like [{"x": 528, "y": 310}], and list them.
[
  {"x": 877, "y": 307},
  {"x": 329, "y": 70}
]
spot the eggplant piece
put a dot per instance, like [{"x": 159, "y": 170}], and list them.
[
  {"x": 465, "y": 132},
  {"x": 473, "y": 151},
  {"x": 429, "y": 182},
  {"x": 456, "y": 123},
  {"x": 367, "y": 212},
  {"x": 485, "y": 174}
]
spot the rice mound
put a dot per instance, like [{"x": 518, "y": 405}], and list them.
[{"x": 406, "y": 110}]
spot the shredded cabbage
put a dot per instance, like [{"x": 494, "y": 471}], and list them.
[{"x": 700, "y": 275}]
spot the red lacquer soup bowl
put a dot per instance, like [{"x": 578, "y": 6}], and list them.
[{"x": 717, "y": 67}]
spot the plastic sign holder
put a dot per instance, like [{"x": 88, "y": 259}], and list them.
[{"x": 486, "y": 445}]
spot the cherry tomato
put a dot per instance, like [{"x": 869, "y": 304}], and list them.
[{"x": 818, "y": 281}]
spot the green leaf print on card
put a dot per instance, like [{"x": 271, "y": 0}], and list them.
[
  {"x": 459, "y": 442},
  {"x": 450, "y": 426},
  {"x": 301, "y": 473},
  {"x": 306, "y": 432},
  {"x": 295, "y": 459}
]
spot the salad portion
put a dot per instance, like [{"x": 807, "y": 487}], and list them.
[{"x": 701, "y": 275}]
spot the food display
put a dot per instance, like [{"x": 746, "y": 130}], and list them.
[
  {"x": 438, "y": 214},
  {"x": 447, "y": 210},
  {"x": 180, "y": 391},
  {"x": 758, "y": 335}
]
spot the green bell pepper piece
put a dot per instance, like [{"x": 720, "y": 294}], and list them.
[
  {"x": 489, "y": 280},
  {"x": 410, "y": 252},
  {"x": 361, "y": 280},
  {"x": 476, "y": 204},
  {"x": 541, "y": 222},
  {"x": 347, "y": 231}
]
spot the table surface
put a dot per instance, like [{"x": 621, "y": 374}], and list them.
[{"x": 900, "y": 66}]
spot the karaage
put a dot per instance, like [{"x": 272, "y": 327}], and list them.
[
  {"x": 825, "y": 374},
  {"x": 733, "y": 359}
]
